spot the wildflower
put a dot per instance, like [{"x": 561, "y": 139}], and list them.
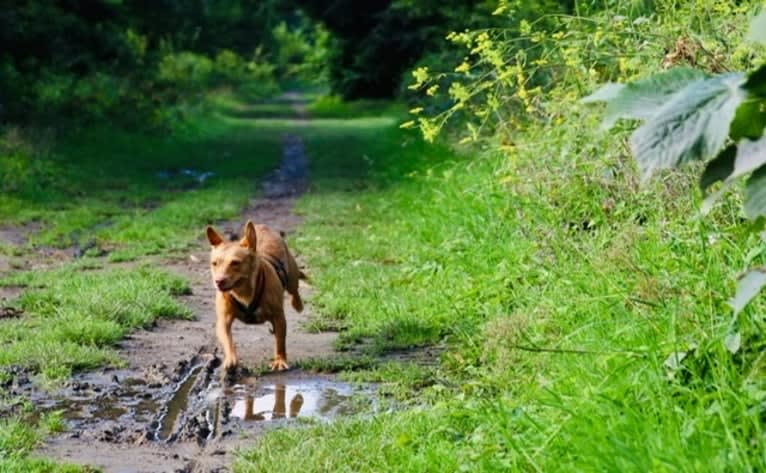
[{"x": 463, "y": 67}]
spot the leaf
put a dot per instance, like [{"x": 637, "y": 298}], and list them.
[
  {"x": 673, "y": 361},
  {"x": 733, "y": 342},
  {"x": 756, "y": 82},
  {"x": 757, "y": 31},
  {"x": 751, "y": 155},
  {"x": 642, "y": 99},
  {"x": 755, "y": 194},
  {"x": 605, "y": 93},
  {"x": 749, "y": 121},
  {"x": 748, "y": 287},
  {"x": 735, "y": 161},
  {"x": 718, "y": 169},
  {"x": 692, "y": 125}
]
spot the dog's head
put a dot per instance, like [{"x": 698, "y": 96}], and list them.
[{"x": 232, "y": 262}]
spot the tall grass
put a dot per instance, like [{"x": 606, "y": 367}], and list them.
[{"x": 585, "y": 316}]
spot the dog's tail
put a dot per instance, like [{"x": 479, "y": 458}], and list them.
[{"x": 297, "y": 302}]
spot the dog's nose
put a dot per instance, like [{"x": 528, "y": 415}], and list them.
[{"x": 220, "y": 282}]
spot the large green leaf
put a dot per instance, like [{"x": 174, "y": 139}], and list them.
[
  {"x": 755, "y": 194},
  {"x": 756, "y": 82},
  {"x": 750, "y": 119},
  {"x": 718, "y": 169},
  {"x": 748, "y": 287},
  {"x": 751, "y": 155},
  {"x": 642, "y": 99},
  {"x": 692, "y": 125},
  {"x": 758, "y": 28}
]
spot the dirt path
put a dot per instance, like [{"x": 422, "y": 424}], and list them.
[{"x": 169, "y": 409}]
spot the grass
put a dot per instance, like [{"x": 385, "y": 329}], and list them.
[
  {"x": 123, "y": 194},
  {"x": 562, "y": 289},
  {"x": 72, "y": 317},
  {"x": 130, "y": 193},
  {"x": 126, "y": 194},
  {"x": 18, "y": 439},
  {"x": 585, "y": 317}
]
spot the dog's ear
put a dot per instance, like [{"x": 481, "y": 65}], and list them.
[
  {"x": 249, "y": 240},
  {"x": 213, "y": 236}
]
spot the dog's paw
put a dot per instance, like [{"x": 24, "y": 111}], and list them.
[
  {"x": 280, "y": 364},
  {"x": 230, "y": 364}
]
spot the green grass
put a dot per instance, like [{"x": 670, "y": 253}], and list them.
[
  {"x": 561, "y": 289},
  {"x": 123, "y": 194},
  {"x": 127, "y": 191},
  {"x": 72, "y": 317},
  {"x": 19, "y": 438}
]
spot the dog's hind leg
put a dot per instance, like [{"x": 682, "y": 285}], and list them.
[{"x": 293, "y": 279}]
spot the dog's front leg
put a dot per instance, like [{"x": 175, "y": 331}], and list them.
[
  {"x": 280, "y": 352},
  {"x": 223, "y": 322}
]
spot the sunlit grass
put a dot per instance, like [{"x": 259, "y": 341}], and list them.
[
  {"x": 561, "y": 289},
  {"x": 73, "y": 317}
]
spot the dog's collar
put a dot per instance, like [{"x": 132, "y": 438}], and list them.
[{"x": 250, "y": 309}]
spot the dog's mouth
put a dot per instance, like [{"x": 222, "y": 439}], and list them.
[{"x": 224, "y": 286}]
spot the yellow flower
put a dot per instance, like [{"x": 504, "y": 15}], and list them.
[
  {"x": 421, "y": 76},
  {"x": 407, "y": 124},
  {"x": 416, "y": 110},
  {"x": 464, "y": 67},
  {"x": 431, "y": 91}
]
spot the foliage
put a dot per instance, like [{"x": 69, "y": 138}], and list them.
[
  {"x": 377, "y": 41},
  {"x": 581, "y": 318},
  {"x": 584, "y": 315},
  {"x": 690, "y": 116},
  {"x": 144, "y": 57},
  {"x": 525, "y": 71}
]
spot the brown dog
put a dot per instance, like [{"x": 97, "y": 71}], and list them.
[{"x": 251, "y": 275}]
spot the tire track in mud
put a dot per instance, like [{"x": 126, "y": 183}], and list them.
[{"x": 169, "y": 409}]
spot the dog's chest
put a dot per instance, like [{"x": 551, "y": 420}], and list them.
[{"x": 257, "y": 316}]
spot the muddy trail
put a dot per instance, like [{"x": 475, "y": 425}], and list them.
[{"x": 170, "y": 408}]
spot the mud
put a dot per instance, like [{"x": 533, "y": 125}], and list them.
[{"x": 171, "y": 408}]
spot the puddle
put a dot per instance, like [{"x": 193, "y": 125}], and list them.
[
  {"x": 201, "y": 408},
  {"x": 317, "y": 399}
]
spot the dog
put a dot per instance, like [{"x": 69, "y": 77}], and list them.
[{"x": 251, "y": 276}]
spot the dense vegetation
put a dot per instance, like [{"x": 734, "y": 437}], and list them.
[{"x": 582, "y": 314}]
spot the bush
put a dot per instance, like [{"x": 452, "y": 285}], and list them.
[{"x": 185, "y": 69}]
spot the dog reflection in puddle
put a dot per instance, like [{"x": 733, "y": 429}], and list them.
[{"x": 256, "y": 409}]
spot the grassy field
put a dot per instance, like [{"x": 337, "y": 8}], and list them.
[{"x": 585, "y": 317}]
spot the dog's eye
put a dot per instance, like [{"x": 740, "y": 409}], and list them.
[
  {"x": 235, "y": 263},
  {"x": 215, "y": 263}
]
